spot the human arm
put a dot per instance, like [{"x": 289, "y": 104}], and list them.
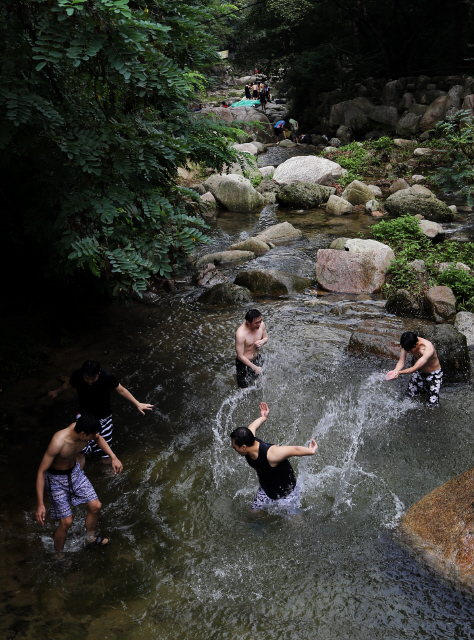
[
  {"x": 264, "y": 411},
  {"x": 264, "y": 338},
  {"x": 239, "y": 348},
  {"x": 400, "y": 364},
  {"x": 51, "y": 452},
  {"x": 66, "y": 385},
  {"x": 125, "y": 393},
  {"x": 277, "y": 454},
  {"x": 117, "y": 466}
]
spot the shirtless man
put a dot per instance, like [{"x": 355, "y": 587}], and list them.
[
  {"x": 426, "y": 372},
  {"x": 66, "y": 484},
  {"x": 270, "y": 461},
  {"x": 249, "y": 337}
]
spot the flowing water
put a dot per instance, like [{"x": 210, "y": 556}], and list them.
[{"x": 188, "y": 559}]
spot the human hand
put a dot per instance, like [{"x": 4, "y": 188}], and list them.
[
  {"x": 313, "y": 446},
  {"x": 259, "y": 343},
  {"x": 258, "y": 371},
  {"x": 142, "y": 405},
  {"x": 264, "y": 410},
  {"x": 53, "y": 394},
  {"x": 117, "y": 466},
  {"x": 392, "y": 375},
  {"x": 40, "y": 514}
]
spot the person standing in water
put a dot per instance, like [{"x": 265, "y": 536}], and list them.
[
  {"x": 249, "y": 338},
  {"x": 65, "y": 482},
  {"x": 276, "y": 475},
  {"x": 427, "y": 374},
  {"x": 93, "y": 386}
]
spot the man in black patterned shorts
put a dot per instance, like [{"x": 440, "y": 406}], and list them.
[
  {"x": 66, "y": 485},
  {"x": 94, "y": 386},
  {"x": 427, "y": 374},
  {"x": 249, "y": 338}
]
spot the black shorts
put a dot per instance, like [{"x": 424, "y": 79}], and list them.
[
  {"x": 255, "y": 95},
  {"x": 246, "y": 375}
]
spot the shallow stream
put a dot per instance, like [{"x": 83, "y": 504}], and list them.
[{"x": 188, "y": 559}]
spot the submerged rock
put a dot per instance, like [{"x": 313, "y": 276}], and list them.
[
  {"x": 226, "y": 293},
  {"x": 440, "y": 529},
  {"x": 337, "y": 206},
  {"x": 208, "y": 276},
  {"x": 272, "y": 282},
  {"x": 303, "y": 195},
  {"x": 279, "y": 234},
  {"x": 223, "y": 258},
  {"x": 258, "y": 247}
]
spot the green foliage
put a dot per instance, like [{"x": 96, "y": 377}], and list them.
[
  {"x": 457, "y": 137},
  {"x": 382, "y": 144},
  {"x": 93, "y": 98},
  {"x": 403, "y": 235},
  {"x": 256, "y": 180}
]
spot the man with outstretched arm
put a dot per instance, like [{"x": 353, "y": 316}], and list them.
[
  {"x": 270, "y": 461},
  {"x": 66, "y": 485},
  {"x": 94, "y": 386},
  {"x": 427, "y": 374},
  {"x": 249, "y": 338}
]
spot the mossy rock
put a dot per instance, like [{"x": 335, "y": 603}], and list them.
[
  {"x": 303, "y": 195},
  {"x": 272, "y": 283},
  {"x": 415, "y": 200},
  {"x": 226, "y": 293}
]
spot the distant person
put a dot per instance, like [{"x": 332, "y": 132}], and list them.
[
  {"x": 247, "y": 88},
  {"x": 294, "y": 129},
  {"x": 276, "y": 475},
  {"x": 267, "y": 91},
  {"x": 262, "y": 96},
  {"x": 427, "y": 374},
  {"x": 249, "y": 339},
  {"x": 94, "y": 386},
  {"x": 199, "y": 108},
  {"x": 66, "y": 485},
  {"x": 255, "y": 91},
  {"x": 278, "y": 130}
]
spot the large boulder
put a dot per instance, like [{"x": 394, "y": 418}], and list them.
[
  {"x": 464, "y": 323},
  {"x": 435, "y": 112},
  {"x": 379, "y": 338},
  {"x": 409, "y": 124},
  {"x": 226, "y": 258},
  {"x": 404, "y": 303},
  {"x": 247, "y": 147},
  {"x": 280, "y": 233},
  {"x": 267, "y": 172},
  {"x": 357, "y": 193},
  {"x": 337, "y": 206},
  {"x": 439, "y": 528},
  {"x": 441, "y": 304},
  {"x": 387, "y": 115},
  {"x": 398, "y": 185},
  {"x": 303, "y": 195},
  {"x": 353, "y": 272},
  {"x": 258, "y": 247},
  {"x": 226, "y": 293},
  {"x": 272, "y": 282},
  {"x": 263, "y": 132},
  {"x": 307, "y": 169},
  {"x": 236, "y": 193},
  {"x": 415, "y": 201}
]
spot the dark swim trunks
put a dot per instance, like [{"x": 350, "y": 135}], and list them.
[
  {"x": 67, "y": 489},
  {"x": 106, "y": 431},
  {"x": 246, "y": 375}
]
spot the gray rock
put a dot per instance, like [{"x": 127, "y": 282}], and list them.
[
  {"x": 435, "y": 112},
  {"x": 272, "y": 282},
  {"x": 208, "y": 276},
  {"x": 451, "y": 347},
  {"x": 267, "y": 172},
  {"x": 456, "y": 93},
  {"x": 402, "y": 143},
  {"x": 443, "y": 266},
  {"x": 391, "y": 93},
  {"x": 464, "y": 323},
  {"x": 338, "y": 206},
  {"x": 236, "y": 193},
  {"x": 351, "y": 271},
  {"x": 247, "y": 147},
  {"x": 303, "y": 195},
  {"x": 418, "y": 109},
  {"x": 377, "y": 191},
  {"x": 371, "y": 206},
  {"x": 421, "y": 152},
  {"x": 335, "y": 142},
  {"x": 199, "y": 188},
  {"x": 409, "y": 124},
  {"x": 258, "y": 247},
  {"x": 441, "y": 304},
  {"x": 357, "y": 245},
  {"x": 453, "y": 208},
  {"x": 398, "y": 185},
  {"x": 385, "y": 115},
  {"x": 339, "y": 244},
  {"x": 418, "y": 178},
  {"x": 432, "y": 230},
  {"x": 280, "y": 234},
  {"x": 226, "y": 293},
  {"x": 307, "y": 169},
  {"x": 418, "y": 265},
  {"x": 414, "y": 200},
  {"x": 405, "y": 304},
  {"x": 225, "y": 258},
  {"x": 344, "y": 134},
  {"x": 358, "y": 193},
  {"x": 405, "y": 103}
]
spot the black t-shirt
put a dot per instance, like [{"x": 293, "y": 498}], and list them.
[
  {"x": 94, "y": 398},
  {"x": 277, "y": 482}
]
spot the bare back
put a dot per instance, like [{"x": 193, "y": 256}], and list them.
[{"x": 420, "y": 350}]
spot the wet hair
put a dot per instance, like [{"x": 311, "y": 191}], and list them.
[
  {"x": 252, "y": 314},
  {"x": 408, "y": 340},
  {"x": 87, "y": 424},
  {"x": 90, "y": 368},
  {"x": 242, "y": 436}
]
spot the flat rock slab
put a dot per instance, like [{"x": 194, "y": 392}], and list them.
[
  {"x": 440, "y": 529},
  {"x": 223, "y": 258},
  {"x": 272, "y": 282}
]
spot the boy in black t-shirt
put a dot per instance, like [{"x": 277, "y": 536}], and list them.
[{"x": 93, "y": 386}]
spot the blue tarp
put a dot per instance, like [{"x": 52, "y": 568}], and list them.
[{"x": 246, "y": 103}]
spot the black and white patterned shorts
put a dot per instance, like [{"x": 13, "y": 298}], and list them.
[
  {"x": 106, "y": 431},
  {"x": 261, "y": 500},
  {"x": 426, "y": 382}
]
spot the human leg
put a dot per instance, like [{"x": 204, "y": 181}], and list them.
[
  {"x": 61, "y": 533},
  {"x": 92, "y": 518},
  {"x": 434, "y": 381}
]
